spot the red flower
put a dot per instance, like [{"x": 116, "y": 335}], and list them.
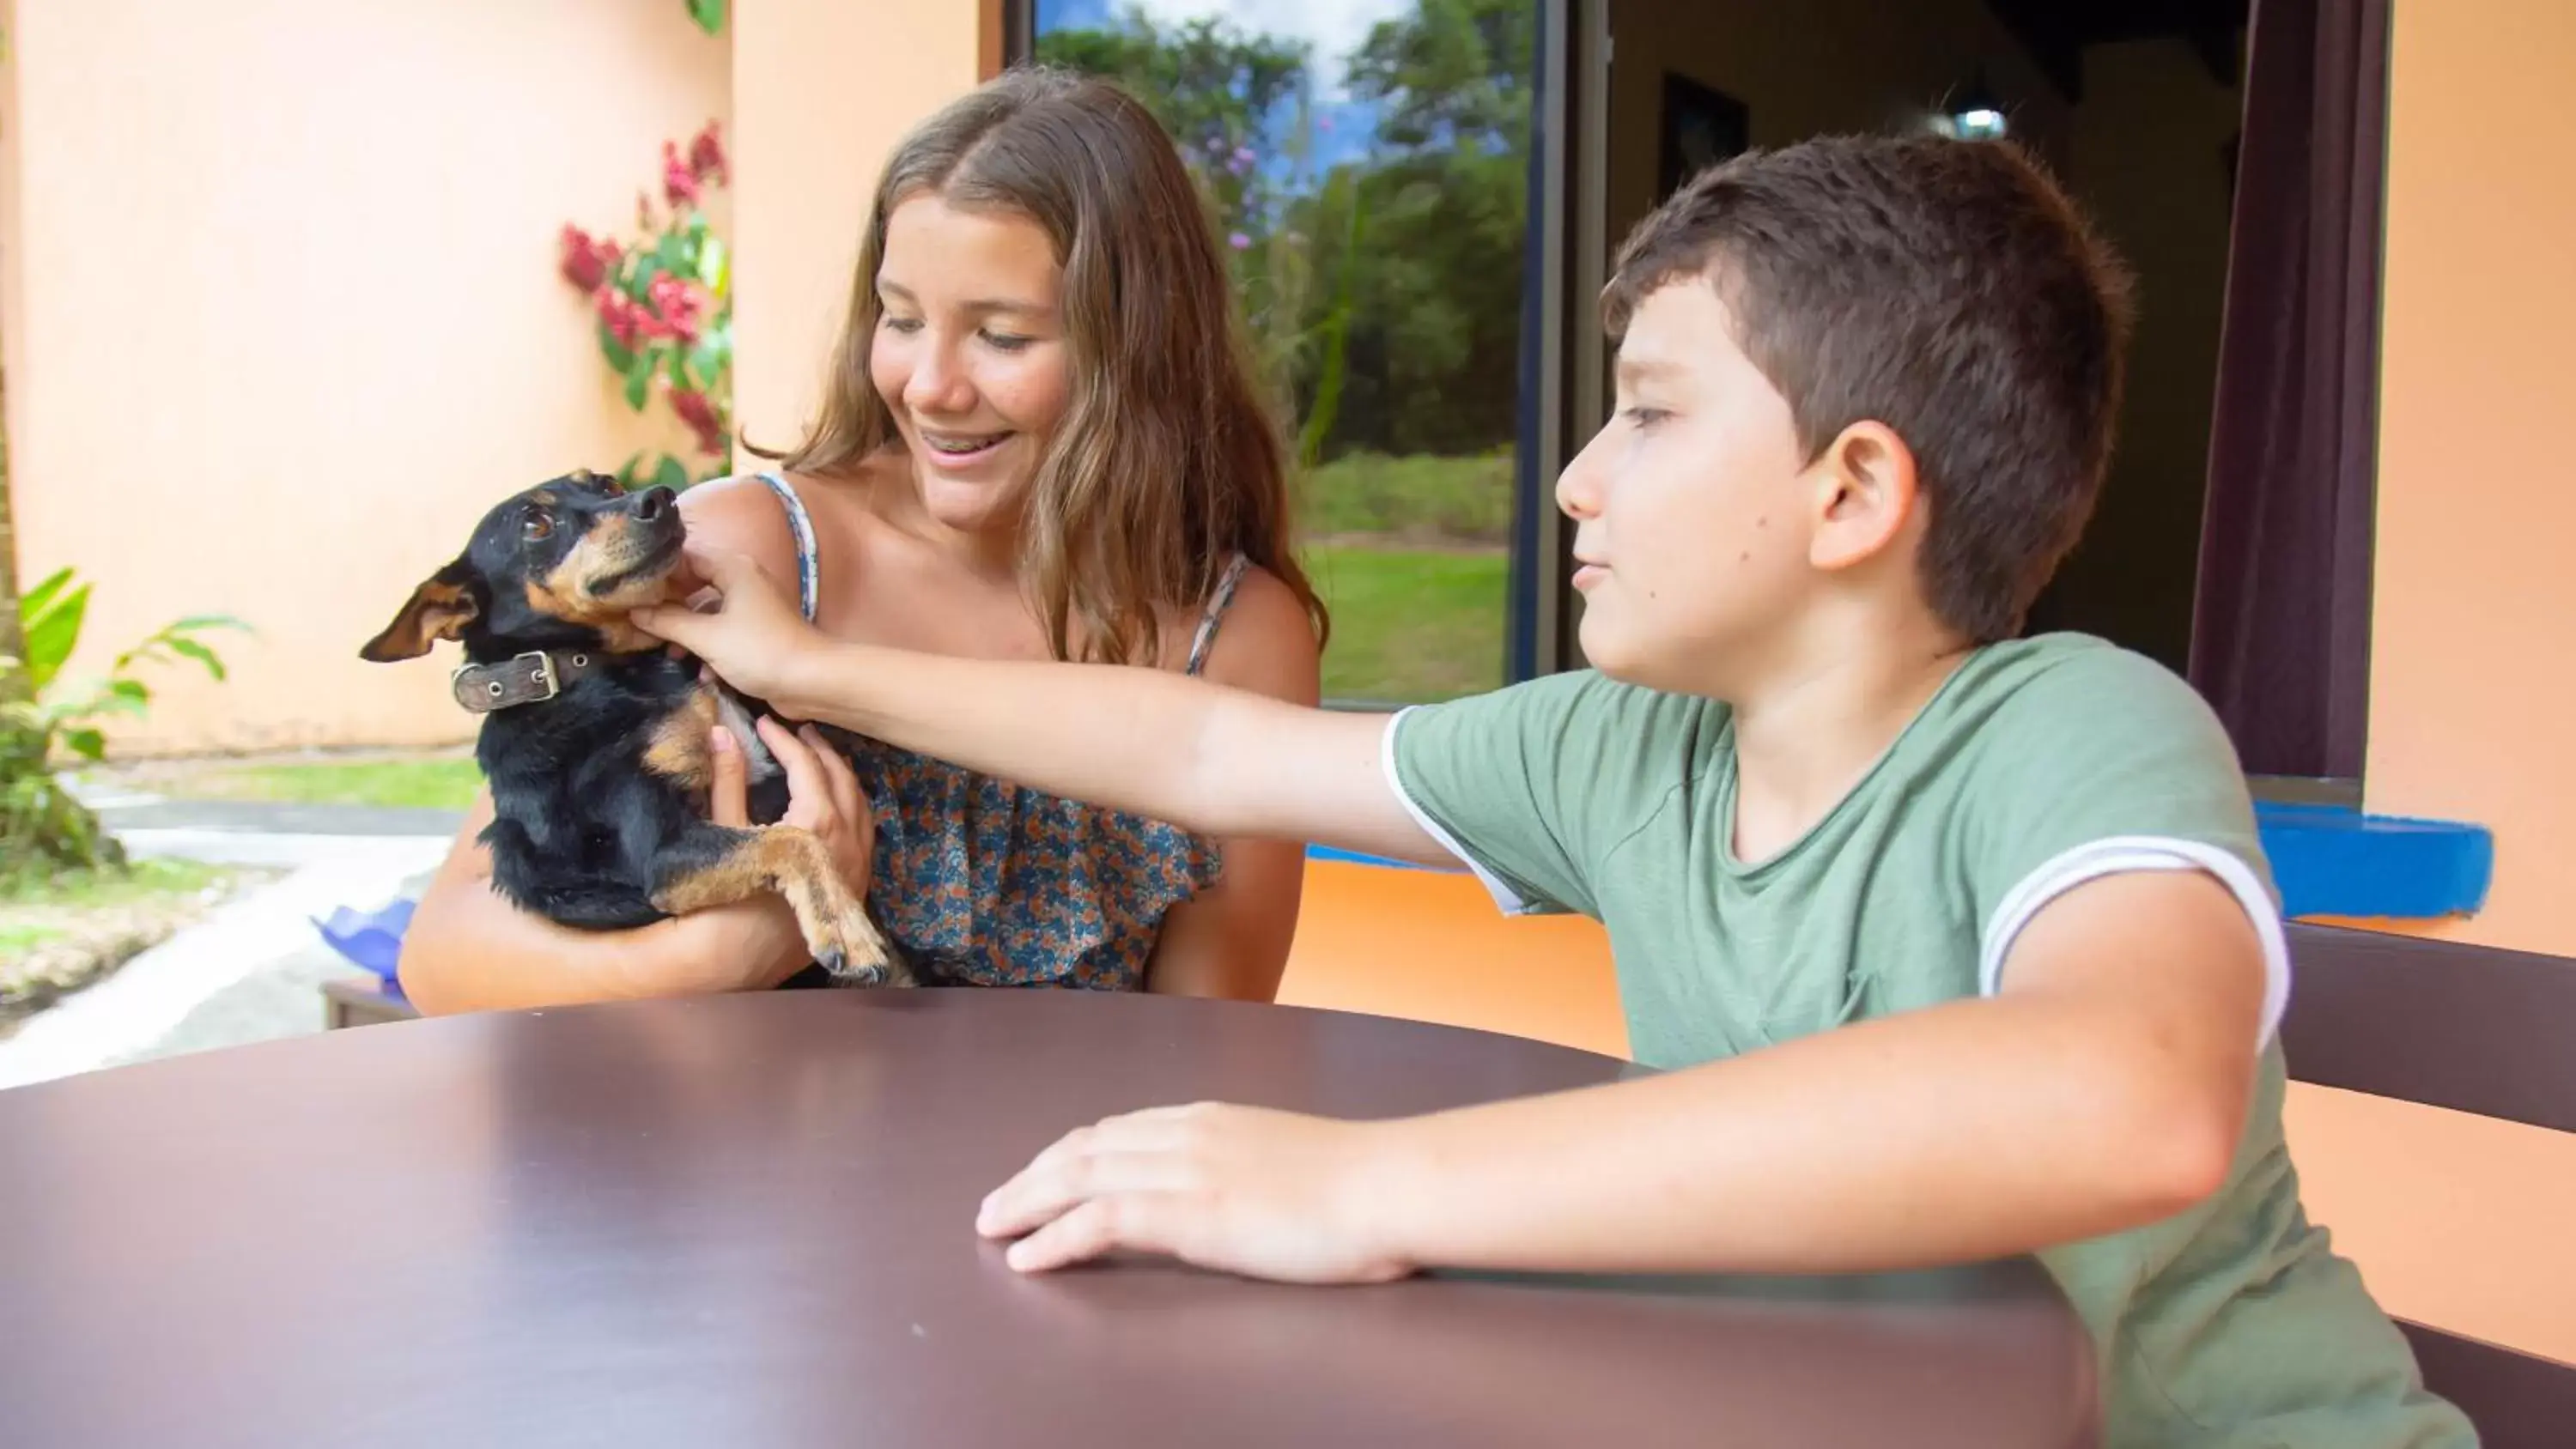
[
  {"x": 678, "y": 307},
  {"x": 625, "y": 320},
  {"x": 679, "y": 183},
  {"x": 695, "y": 410},
  {"x": 707, "y": 157},
  {"x": 584, "y": 260}
]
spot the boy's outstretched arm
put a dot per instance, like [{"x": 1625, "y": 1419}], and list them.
[
  {"x": 1199, "y": 755},
  {"x": 2105, "y": 1086}
]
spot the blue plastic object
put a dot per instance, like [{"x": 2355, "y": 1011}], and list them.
[
  {"x": 2331, "y": 861},
  {"x": 372, "y": 939}
]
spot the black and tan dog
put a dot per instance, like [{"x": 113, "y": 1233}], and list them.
[{"x": 595, "y": 737}]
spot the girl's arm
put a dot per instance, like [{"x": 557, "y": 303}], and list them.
[
  {"x": 1232, "y": 940},
  {"x": 470, "y": 949},
  {"x": 1211, "y": 757}
]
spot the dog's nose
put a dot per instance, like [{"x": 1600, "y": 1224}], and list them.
[{"x": 650, "y": 503}]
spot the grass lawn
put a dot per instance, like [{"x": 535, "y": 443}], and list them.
[
  {"x": 1411, "y": 625},
  {"x": 146, "y": 880},
  {"x": 1411, "y": 500},
  {"x": 59, "y": 931},
  {"x": 436, "y": 784}
]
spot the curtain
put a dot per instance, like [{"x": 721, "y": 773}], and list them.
[{"x": 2280, "y": 640}]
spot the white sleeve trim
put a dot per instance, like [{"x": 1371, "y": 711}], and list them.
[
  {"x": 1508, "y": 899},
  {"x": 2116, "y": 854}
]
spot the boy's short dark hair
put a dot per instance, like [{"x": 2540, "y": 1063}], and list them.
[{"x": 1947, "y": 289}]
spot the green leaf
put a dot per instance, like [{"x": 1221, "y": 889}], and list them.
[
  {"x": 710, "y": 15},
  {"x": 53, "y": 632},
  {"x": 626, "y": 474},
  {"x": 34, "y": 601},
  {"x": 672, "y": 474},
  {"x": 195, "y": 622},
  {"x": 621, "y": 357},
  {"x": 713, "y": 261},
  {"x": 707, "y": 361},
  {"x": 107, "y": 704},
  {"x": 199, "y": 652},
  {"x": 639, "y": 378},
  {"x": 87, "y": 743}
]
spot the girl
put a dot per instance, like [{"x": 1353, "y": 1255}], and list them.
[{"x": 1040, "y": 438}]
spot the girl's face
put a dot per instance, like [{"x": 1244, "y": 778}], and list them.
[{"x": 970, "y": 355}]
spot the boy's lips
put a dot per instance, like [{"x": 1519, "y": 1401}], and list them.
[{"x": 1587, "y": 573}]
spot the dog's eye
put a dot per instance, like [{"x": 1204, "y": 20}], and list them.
[{"x": 538, "y": 527}]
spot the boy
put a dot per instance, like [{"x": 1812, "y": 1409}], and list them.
[{"x": 1955, "y": 944}]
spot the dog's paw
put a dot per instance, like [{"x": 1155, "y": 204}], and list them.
[{"x": 855, "y": 951}]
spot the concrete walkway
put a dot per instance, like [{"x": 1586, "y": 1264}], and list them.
[{"x": 253, "y": 969}]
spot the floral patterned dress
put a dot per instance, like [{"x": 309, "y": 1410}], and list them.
[{"x": 985, "y": 883}]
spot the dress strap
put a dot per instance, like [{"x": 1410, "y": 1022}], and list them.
[
  {"x": 809, "y": 561},
  {"x": 1217, "y": 603}
]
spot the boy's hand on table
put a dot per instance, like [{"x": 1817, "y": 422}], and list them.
[{"x": 1235, "y": 1189}]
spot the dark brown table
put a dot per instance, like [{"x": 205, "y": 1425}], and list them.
[{"x": 748, "y": 1221}]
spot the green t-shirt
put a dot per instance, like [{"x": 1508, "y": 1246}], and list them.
[{"x": 2039, "y": 764}]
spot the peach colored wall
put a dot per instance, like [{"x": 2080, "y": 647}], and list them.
[
  {"x": 282, "y": 318},
  {"x": 822, "y": 91},
  {"x": 2456, "y": 1220},
  {"x": 2473, "y": 675}
]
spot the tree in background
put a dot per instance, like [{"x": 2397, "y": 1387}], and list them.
[{"x": 1385, "y": 290}]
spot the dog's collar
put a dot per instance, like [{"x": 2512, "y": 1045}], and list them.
[{"x": 530, "y": 678}]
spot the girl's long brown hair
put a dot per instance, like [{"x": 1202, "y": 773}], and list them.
[{"x": 1168, "y": 460}]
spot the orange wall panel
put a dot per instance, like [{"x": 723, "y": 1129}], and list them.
[
  {"x": 2472, "y": 675},
  {"x": 1431, "y": 946},
  {"x": 2456, "y": 1220}
]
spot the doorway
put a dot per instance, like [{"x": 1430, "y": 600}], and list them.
[{"x": 2134, "y": 104}]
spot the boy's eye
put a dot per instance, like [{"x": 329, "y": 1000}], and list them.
[
  {"x": 1645, "y": 417},
  {"x": 538, "y": 527},
  {"x": 903, "y": 324},
  {"x": 1006, "y": 341}
]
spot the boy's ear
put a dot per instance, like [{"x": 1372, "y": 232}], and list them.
[
  {"x": 1867, "y": 493},
  {"x": 439, "y": 609}
]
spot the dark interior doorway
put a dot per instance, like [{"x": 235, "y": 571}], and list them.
[{"x": 2136, "y": 104}]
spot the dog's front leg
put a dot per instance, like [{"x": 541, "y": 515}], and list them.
[{"x": 714, "y": 865}]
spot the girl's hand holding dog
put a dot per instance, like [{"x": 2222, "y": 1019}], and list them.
[
  {"x": 754, "y": 637},
  {"x": 823, "y": 796},
  {"x": 755, "y": 944}
]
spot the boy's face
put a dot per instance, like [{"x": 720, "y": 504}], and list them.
[{"x": 1690, "y": 505}]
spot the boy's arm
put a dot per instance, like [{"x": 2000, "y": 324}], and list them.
[
  {"x": 1203, "y": 756},
  {"x": 1206, "y": 757},
  {"x": 2102, "y": 1088}
]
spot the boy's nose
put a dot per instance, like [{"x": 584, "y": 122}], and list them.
[{"x": 1578, "y": 487}]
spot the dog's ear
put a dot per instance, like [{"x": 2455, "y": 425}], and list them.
[{"x": 439, "y": 609}]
